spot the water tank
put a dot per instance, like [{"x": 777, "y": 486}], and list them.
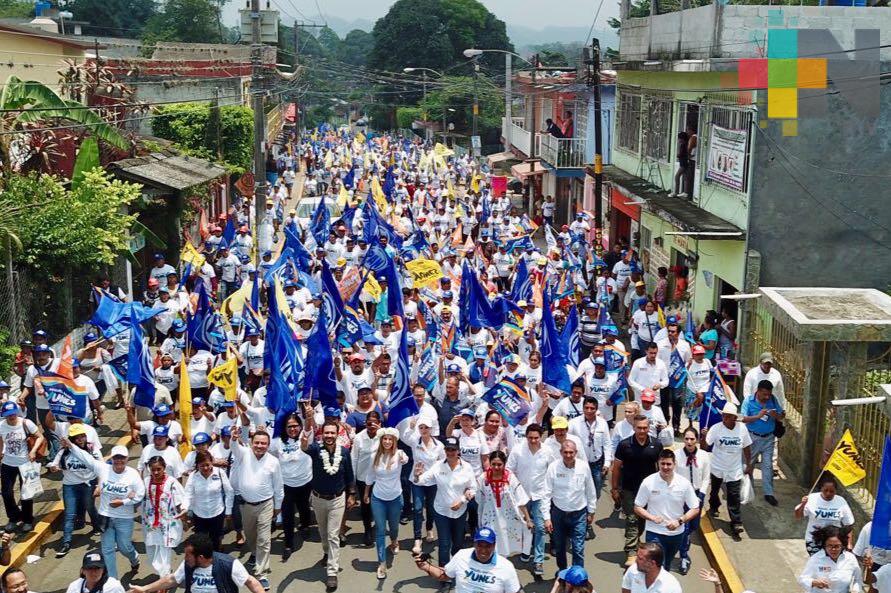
[{"x": 44, "y": 24}]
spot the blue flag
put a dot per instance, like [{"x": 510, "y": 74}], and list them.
[
  {"x": 118, "y": 366},
  {"x": 508, "y": 399},
  {"x": 319, "y": 379},
  {"x": 349, "y": 180},
  {"x": 713, "y": 402},
  {"x": 282, "y": 356},
  {"x": 677, "y": 371},
  {"x": 113, "y": 317},
  {"x": 379, "y": 261},
  {"x": 320, "y": 222},
  {"x": 332, "y": 302},
  {"x": 401, "y": 402},
  {"x": 616, "y": 362},
  {"x": 204, "y": 328},
  {"x": 522, "y": 287},
  {"x": 480, "y": 312},
  {"x": 880, "y": 536},
  {"x": 553, "y": 359},
  {"x": 229, "y": 231},
  {"x": 427, "y": 375},
  {"x": 604, "y": 321},
  {"x": 301, "y": 254},
  {"x": 431, "y": 327},
  {"x": 688, "y": 327},
  {"x": 140, "y": 371},
  {"x": 512, "y": 245},
  {"x": 570, "y": 337}
]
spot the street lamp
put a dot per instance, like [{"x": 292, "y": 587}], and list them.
[{"x": 424, "y": 72}]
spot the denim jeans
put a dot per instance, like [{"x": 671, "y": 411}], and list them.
[
  {"x": 386, "y": 514},
  {"x": 571, "y": 526},
  {"x": 538, "y": 530},
  {"x": 78, "y": 499},
  {"x": 118, "y": 535},
  {"x": 764, "y": 446},
  {"x": 670, "y": 546},
  {"x": 450, "y": 535},
  {"x": 597, "y": 475},
  {"x": 422, "y": 497},
  {"x": 689, "y": 527}
]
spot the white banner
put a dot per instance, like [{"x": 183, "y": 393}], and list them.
[{"x": 727, "y": 157}]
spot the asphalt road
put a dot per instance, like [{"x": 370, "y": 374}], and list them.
[{"x": 303, "y": 572}]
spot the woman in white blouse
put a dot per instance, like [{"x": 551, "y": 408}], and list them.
[
  {"x": 383, "y": 490},
  {"x": 833, "y": 569},
  {"x": 297, "y": 477},
  {"x": 426, "y": 451},
  {"x": 209, "y": 498}
]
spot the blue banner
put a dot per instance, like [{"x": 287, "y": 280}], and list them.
[
  {"x": 65, "y": 397},
  {"x": 880, "y": 537},
  {"x": 508, "y": 399},
  {"x": 713, "y": 402},
  {"x": 677, "y": 371},
  {"x": 553, "y": 359}
]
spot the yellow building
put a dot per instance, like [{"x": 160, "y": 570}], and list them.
[{"x": 33, "y": 54}]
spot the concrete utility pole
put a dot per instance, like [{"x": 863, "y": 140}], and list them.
[
  {"x": 258, "y": 105},
  {"x": 531, "y": 187},
  {"x": 508, "y": 100},
  {"x": 598, "y": 151}
]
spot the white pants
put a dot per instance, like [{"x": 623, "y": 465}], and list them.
[{"x": 160, "y": 556}]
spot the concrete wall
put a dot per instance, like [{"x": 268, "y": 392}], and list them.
[
  {"x": 34, "y": 58},
  {"x": 819, "y": 209},
  {"x": 738, "y": 30}
]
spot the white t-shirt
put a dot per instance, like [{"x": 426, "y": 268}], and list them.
[
  {"x": 635, "y": 581},
  {"x": 666, "y": 500},
  {"x": 883, "y": 579},
  {"x": 471, "y": 576},
  {"x": 112, "y": 585},
  {"x": 198, "y": 368},
  {"x": 821, "y": 512},
  {"x": 727, "y": 447},
  {"x": 203, "y": 581},
  {"x": 15, "y": 443}
]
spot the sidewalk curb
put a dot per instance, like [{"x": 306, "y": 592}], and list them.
[
  {"x": 44, "y": 528},
  {"x": 716, "y": 553}
]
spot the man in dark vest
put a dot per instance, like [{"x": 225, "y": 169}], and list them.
[{"x": 205, "y": 571}]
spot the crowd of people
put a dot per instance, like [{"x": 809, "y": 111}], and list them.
[{"x": 468, "y": 379}]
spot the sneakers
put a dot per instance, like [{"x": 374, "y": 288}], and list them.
[
  {"x": 589, "y": 534},
  {"x": 525, "y": 558},
  {"x": 672, "y": 195},
  {"x": 538, "y": 569},
  {"x": 63, "y": 551},
  {"x": 331, "y": 583},
  {"x": 27, "y": 528},
  {"x": 685, "y": 565},
  {"x": 738, "y": 528},
  {"x": 381, "y": 571},
  {"x": 771, "y": 500},
  {"x": 416, "y": 549},
  {"x": 632, "y": 558},
  {"x": 394, "y": 548},
  {"x": 683, "y": 194},
  {"x": 264, "y": 582}
]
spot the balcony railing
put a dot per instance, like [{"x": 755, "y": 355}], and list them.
[
  {"x": 520, "y": 138},
  {"x": 564, "y": 153}
]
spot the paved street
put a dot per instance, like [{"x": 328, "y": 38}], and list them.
[{"x": 304, "y": 573}]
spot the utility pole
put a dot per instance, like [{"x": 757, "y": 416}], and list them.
[
  {"x": 531, "y": 187},
  {"x": 598, "y": 151},
  {"x": 508, "y": 100},
  {"x": 427, "y": 131},
  {"x": 258, "y": 105},
  {"x": 215, "y": 120}
]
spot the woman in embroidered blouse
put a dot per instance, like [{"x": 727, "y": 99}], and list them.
[
  {"x": 162, "y": 512},
  {"x": 502, "y": 506}
]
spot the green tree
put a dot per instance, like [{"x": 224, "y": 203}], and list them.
[
  {"x": 412, "y": 33},
  {"x": 457, "y": 93},
  {"x": 113, "y": 18},
  {"x": 355, "y": 47},
  {"x": 16, "y": 9},
  {"x": 188, "y": 126},
  {"x": 187, "y": 21},
  {"x": 329, "y": 41}
]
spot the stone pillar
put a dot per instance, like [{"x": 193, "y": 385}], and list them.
[
  {"x": 849, "y": 362},
  {"x": 816, "y": 400},
  {"x": 745, "y": 323}
]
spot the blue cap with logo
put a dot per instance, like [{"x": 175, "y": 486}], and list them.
[
  {"x": 574, "y": 575},
  {"x": 162, "y": 410},
  {"x": 42, "y": 348},
  {"x": 9, "y": 409},
  {"x": 200, "y": 438},
  {"x": 484, "y": 534},
  {"x": 332, "y": 412},
  {"x": 160, "y": 431},
  {"x": 179, "y": 325},
  {"x": 599, "y": 361}
]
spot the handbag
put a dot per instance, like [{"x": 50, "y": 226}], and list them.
[
  {"x": 779, "y": 429},
  {"x": 31, "y": 438}
]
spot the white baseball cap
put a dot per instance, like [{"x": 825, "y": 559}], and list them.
[{"x": 120, "y": 451}]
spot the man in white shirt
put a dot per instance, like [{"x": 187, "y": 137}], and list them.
[
  {"x": 765, "y": 371},
  {"x": 229, "y": 267},
  {"x": 478, "y": 569},
  {"x": 529, "y": 462},
  {"x": 672, "y": 398},
  {"x": 666, "y": 501},
  {"x": 730, "y": 444},
  {"x": 646, "y": 575},
  {"x": 648, "y": 373},
  {"x": 593, "y": 432},
  {"x": 568, "y": 504}
]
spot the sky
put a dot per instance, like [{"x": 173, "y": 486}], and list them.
[{"x": 526, "y": 13}]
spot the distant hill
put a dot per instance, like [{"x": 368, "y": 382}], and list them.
[{"x": 525, "y": 37}]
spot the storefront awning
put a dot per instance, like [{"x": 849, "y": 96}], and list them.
[
  {"x": 679, "y": 212},
  {"x": 500, "y": 157},
  {"x": 524, "y": 170}
]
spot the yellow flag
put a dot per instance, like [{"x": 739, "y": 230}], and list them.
[
  {"x": 185, "y": 408},
  {"x": 372, "y": 288},
  {"x": 225, "y": 376},
  {"x": 329, "y": 159},
  {"x": 475, "y": 184},
  {"x": 190, "y": 255},
  {"x": 424, "y": 272},
  {"x": 234, "y": 303},
  {"x": 661, "y": 316},
  {"x": 845, "y": 462},
  {"x": 441, "y": 150},
  {"x": 380, "y": 198},
  {"x": 343, "y": 198}
]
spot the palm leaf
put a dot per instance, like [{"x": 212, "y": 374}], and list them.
[
  {"x": 150, "y": 236},
  {"x": 87, "y": 160}
]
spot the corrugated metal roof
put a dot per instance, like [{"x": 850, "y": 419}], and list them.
[{"x": 168, "y": 170}]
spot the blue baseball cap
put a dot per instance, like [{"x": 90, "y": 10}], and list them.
[
  {"x": 4, "y": 384},
  {"x": 484, "y": 534},
  {"x": 252, "y": 331},
  {"x": 39, "y": 333},
  {"x": 290, "y": 284},
  {"x": 480, "y": 352},
  {"x": 75, "y": 363},
  {"x": 227, "y": 431},
  {"x": 574, "y": 575},
  {"x": 445, "y": 280},
  {"x": 9, "y": 409},
  {"x": 227, "y": 404},
  {"x": 42, "y": 348},
  {"x": 267, "y": 252},
  {"x": 410, "y": 342},
  {"x": 447, "y": 294},
  {"x": 466, "y": 412},
  {"x": 200, "y": 438},
  {"x": 453, "y": 368},
  {"x": 235, "y": 321},
  {"x": 159, "y": 256},
  {"x": 90, "y": 337},
  {"x": 179, "y": 325},
  {"x": 610, "y": 331},
  {"x": 160, "y": 431},
  {"x": 332, "y": 412},
  {"x": 162, "y": 410},
  {"x": 197, "y": 401}
]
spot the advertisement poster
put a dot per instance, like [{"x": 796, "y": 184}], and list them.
[{"x": 727, "y": 157}]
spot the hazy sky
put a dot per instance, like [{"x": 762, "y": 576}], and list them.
[{"x": 527, "y": 13}]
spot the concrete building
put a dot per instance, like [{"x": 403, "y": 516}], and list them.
[
  {"x": 30, "y": 53},
  {"x": 558, "y": 165},
  {"x": 792, "y": 125}
]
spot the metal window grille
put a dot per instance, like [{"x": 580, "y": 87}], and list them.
[{"x": 629, "y": 122}]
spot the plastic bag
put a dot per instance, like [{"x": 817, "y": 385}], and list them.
[
  {"x": 746, "y": 490},
  {"x": 31, "y": 484}
]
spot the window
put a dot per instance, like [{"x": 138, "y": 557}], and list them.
[
  {"x": 629, "y": 122},
  {"x": 580, "y": 117},
  {"x": 646, "y": 237},
  {"x": 727, "y": 151},
  {"x": 657, "y": 128}
]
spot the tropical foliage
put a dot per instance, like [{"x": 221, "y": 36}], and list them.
[{"x": 189, "y": 126}]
